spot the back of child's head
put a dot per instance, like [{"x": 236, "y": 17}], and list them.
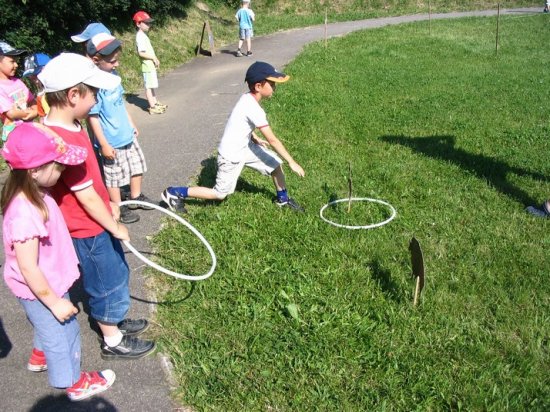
[
  {"x": 259, "y": 72},
  {"x": 142, "y": 17},
  {"x": 70, "y": 70},
  {"x": 29, "y": 147},
  {"x": 34, "y": 63},
  {"x": 7, "y": 49},
  {"x": 102, "y": 45}
]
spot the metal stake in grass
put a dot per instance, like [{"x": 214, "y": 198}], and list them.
[
  {"x": 430, "y": 16},
  {"x": 498, "y": 20},
  {"x": 326, "y": 27},
  {"x": 349, "y": 187},
  {"x": 417, "y": 262}
]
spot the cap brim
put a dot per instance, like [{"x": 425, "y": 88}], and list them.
[
  {"x": 27, "y": 73},
  {"x": 14, "y": 52},
  {"x": 78, "y": 38},
  {"x": 102, "y": 80},
  {"x": 281, "y": 79},
  {"x": 74, "y": 155},
  {"x": 107, "y": 50}
]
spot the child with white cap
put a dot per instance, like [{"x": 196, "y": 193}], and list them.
[{"x": 71, "y": 82}]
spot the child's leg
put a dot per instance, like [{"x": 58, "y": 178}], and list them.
[
  {"x": 60, "y": 343},
  {"x": 279, "y": 179},
  {"x": 114, "y": 194},
  {"x": 249, "y": 44},
  {"x": 151, "y": 98}
]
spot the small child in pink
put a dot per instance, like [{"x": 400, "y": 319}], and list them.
[{"x": 41, "y": 263}]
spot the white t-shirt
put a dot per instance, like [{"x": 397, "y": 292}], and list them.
[
  {"x": 143, "y": 44},
  {"x": 246, "y": 116}
]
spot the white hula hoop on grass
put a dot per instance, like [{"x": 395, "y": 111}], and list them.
[
  {"x": 183, "y": 222},
  {"x": 359, "y": 199}
]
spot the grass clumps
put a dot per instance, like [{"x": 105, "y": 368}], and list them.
[{"x": 300, "y": 315}]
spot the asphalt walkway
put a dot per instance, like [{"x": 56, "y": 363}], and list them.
[{"x": 200, "y": 95}]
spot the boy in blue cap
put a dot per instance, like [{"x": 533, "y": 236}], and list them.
[{"x": 240, "y": 146}]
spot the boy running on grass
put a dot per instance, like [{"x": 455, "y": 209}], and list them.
[{"x": 240, "y": 146}]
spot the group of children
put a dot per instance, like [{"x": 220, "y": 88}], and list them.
[
  {"x": 61, "y": 213},
  {"x": 60, "y": 204}
]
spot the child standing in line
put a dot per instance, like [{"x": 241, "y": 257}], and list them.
[
  {"x": 149, "y": 61},
  {"x": 41, "y": 264},
  {"x": 115, "y": 131},
  {"x": 240, "y": 146},
  {"x": 34, "y": 65},
  {"x": 17, "y": 103},
  {"x": 245, "y": 16},
  {"x": 71, "y": 82}
]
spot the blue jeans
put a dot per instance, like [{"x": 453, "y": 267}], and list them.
[
  {"x": 59, "y": 341},
  {"x": 105, "y": 276}
]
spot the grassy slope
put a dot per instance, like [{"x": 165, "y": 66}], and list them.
[{"x": 303, "y": 316}]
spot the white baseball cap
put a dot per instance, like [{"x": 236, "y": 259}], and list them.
[{"x": 69, "y": 69}]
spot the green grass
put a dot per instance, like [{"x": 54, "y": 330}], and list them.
[{"x": 300, "y": 315}]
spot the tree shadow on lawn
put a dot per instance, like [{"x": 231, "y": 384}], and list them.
[{"x": 492, "y": 170}]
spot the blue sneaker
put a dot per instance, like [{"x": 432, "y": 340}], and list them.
[
  {"x": 174, "y": 202},
  {"x": 290, "y": 204},
  {"x": 541, "y": 211}
]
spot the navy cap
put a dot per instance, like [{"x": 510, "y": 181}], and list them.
[
  {"x": 102, "y": 43},
  {"x": 260, "y": 71}
]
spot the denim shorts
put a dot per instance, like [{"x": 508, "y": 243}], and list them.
[
  {"x": 246, "y": 34},
  {"x": 105, "y": 276},
  {"x": 59, "y": 341}
]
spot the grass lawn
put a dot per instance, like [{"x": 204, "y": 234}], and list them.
[{"x": 301, "y": 315}]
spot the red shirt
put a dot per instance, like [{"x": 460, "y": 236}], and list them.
[{"x": 75, "y": 178}]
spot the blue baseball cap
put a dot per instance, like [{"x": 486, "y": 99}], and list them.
[
  {"x": 34, "y": 63},
  {"x": 90, "y": 31},
  {"x": 260, "y": 71}
]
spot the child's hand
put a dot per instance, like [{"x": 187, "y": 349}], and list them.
[
  {"x": 296, "y": 168},
  {"x": 108, "y": 152},
  {"x": 121, "y": 232},
  {"x": 63, "y": 310},
  {"x": 157, "y": 62}
]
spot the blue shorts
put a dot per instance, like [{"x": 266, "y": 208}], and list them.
[
  {"x": 246, "y": 34},
  {"x": 105, "y": 276}
]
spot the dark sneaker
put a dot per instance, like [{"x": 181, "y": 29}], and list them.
[
  {"x": 141, "y": 198},
  {"x": 248, "y": 53},
  {"x": 541, "y": 211},
  {"x": 129, "y": 348},
  {"x": 291, "y": 204},
  {"x": 175, "y": 203},
  {"x": 127, "y": 216},
  {"x": 133, "y": 327}
]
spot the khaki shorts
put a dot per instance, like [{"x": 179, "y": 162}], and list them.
[
  {"x": 256, "y": 157},
  {"x": 129, "y": 161},
  {"x": 151, "y": 80}
]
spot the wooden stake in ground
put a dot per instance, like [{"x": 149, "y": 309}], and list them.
[
  {"x": 349, "y": 187},
  {"x": 326, "y": 27},
  {"x": 498, "y": 20},
  {"x": 430, "y": 16},
  {"x": 417, "y": 262}
]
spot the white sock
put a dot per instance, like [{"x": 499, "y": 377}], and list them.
[{"x": 113, "y": 340}]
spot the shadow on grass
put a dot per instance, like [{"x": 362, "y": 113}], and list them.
[
  {"x": 382, "y": 276},
  {"x": 492, "y": 170},
  {"x": 169, "y": 302}
]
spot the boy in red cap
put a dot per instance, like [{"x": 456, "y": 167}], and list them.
[{"x": 149, "y": 61}]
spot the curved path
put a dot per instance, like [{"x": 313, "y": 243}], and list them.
[{"x": 200, "y": 95}]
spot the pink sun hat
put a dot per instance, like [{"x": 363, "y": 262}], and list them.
[{"x": 32, "y": 145}]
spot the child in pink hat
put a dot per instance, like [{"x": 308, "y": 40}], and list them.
[{"x": 41, "y": 263}]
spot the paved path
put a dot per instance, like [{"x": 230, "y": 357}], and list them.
[{"x": 200, "y": 95}]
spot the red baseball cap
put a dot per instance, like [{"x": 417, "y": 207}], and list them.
[{"x": 142, "y": 16}]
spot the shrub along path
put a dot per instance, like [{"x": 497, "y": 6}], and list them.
[{"x": 200, "y": 95}]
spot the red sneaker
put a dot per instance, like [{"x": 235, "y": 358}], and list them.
[
  {"x": 90, "y": 384},
  {"x": 37, "y": 361}
]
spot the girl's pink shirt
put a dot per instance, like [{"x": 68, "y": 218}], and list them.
[{"x": 56, "y": 255}]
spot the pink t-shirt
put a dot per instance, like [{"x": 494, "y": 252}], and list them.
[
  {"x": 56, "y": 255},
  {"x": 13, "y": 92}
]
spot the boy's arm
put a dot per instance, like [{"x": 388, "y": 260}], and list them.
[
  {"x": 107, "y": 151},
  {"x": 26, "y": 254},
  {"x": 132, "y": 124},
  {"x": 94, "y": 206},
  {"x": 278, "y": 146},
  {"x": 15, "y": 113},
  {"x": 146, "y": 56}
]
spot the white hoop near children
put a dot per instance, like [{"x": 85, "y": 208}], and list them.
[
  {"x": 359, "y": 199},
  {"x": 186, "y": 224}
]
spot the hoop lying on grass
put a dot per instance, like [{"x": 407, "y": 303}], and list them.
[
  {"x": 183, "y": 222},
  {"x": 358, "y": 199}
]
